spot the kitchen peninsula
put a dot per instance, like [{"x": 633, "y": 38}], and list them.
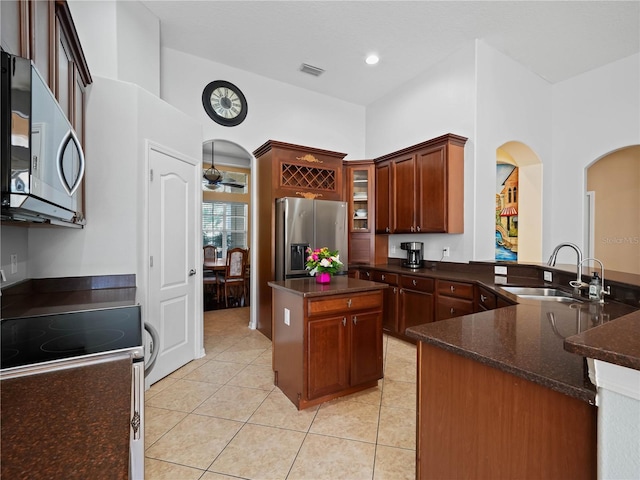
[
  {"x": 500, "y": 389},
  {"x": 327, "y": 338}
]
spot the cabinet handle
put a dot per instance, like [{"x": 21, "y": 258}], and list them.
[
  {"x": 452, "y": 310},
  {"x": 368, "y": 274},
  {"x": 349, "y": 303},
  {"x": 411, "y": 229},
  {"x": 418, "y": 228},
  {"x": 383, "y": 276},
  {"x": 483, "y": 298},
  {"x": 453, "y": 289},
  {"x": 344, "y": 321},
  {"x": 395, "y": 290},
  {"x": 386, "y": 229},
  {"x": 414, "y": 282},
  {"x": 355, "y": 320}
]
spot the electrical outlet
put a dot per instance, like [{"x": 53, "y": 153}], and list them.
[
  {"x": 14, "y": 263},
  {"x": 393, "y": 249},
  {"x": 548, "y": 276},
  {"x": 500, "y": 270},
  {"x": 445, "y": 252},
  {"x": 287, "y": 316}
]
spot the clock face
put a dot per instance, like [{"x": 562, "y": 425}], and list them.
[{"x": 224, "y": 103}]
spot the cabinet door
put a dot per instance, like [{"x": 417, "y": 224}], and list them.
[
  {"x": 383, "y": 198},
  {"x": 360, "y": 197},
  {"x": 416, "y": 308},
  {"x": 366, "y": 347},
  {"x": 14, "y": 27},
  {"x": 361, "y": 248},
  {"x": 431, "y": 191},
  {"x": 390, "y": 305},
  {"x": 327, "y": 356},
  {"x": 404, "y": 194}
]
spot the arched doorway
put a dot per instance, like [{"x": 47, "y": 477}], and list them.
[
  {"x": 227, "y": 199},
  {"x": 519, "y": 202},
  {"x": 613, "y": 210}
]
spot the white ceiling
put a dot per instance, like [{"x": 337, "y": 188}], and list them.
[{"x": 554, "y": 39}]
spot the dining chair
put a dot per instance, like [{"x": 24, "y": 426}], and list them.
[
  {"x": 210, "y": 279},
  {"x": 234, "y": 280},
  {"x": 210, "y": 252}
]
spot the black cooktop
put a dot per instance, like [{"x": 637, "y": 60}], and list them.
[{"x": 43, "y": 338}]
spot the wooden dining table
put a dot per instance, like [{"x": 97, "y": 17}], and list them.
[{"x": 216, "y": 265}]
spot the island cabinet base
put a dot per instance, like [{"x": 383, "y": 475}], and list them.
[
  {"x": 475, "y": 421},
  {"x": 326, "y": 347}
]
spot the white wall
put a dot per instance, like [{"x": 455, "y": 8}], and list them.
[
  {"x": 593, "y": 114},
  {"x": 277, "y": 111},
  {"x": 513, "y": 105},
  {"x": 121, "y": 40}
]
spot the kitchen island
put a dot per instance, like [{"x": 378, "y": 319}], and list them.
[
  {"x": 499, "y": 390},
  {"x": 327, "y": 338}
]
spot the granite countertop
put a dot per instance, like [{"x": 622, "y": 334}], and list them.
[
  {"x": 614, "y": 342},
  {"x": 340, "y": 284},
  {"x": 69, "y": 294},
  {"x": 535, "y": 340}
]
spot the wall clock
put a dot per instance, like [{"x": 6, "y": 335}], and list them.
[{"x": 224, "y": 103}]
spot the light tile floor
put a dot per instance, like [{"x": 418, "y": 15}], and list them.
[{"x": 220, "y": 417}]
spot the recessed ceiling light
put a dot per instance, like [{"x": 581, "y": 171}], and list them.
[{"x": 372, "y": 59}]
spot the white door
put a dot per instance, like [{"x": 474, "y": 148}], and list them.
[{"x": 172, "y": 260}]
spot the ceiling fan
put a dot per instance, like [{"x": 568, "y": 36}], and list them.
[{"x": 215, "y": 178}]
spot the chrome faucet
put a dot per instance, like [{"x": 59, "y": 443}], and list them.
[
  {"x": 552, "y": 261},
  {"x": 603, "y": 291}
]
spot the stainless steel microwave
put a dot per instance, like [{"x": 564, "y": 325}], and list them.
[{"x": 42, "y": 158}]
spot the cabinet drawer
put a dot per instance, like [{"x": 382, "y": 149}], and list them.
[
  {"x": 421, "y": 284},
  {"x": 384, "y": 277},
  {"x": 449, "y": 307},
  {"x": 345, "y": 303},
  {"x": 485, "y": 299},
  {"x": 455, "y": 289}
]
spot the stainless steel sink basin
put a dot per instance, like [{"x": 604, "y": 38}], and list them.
[{"x": 542, "y": 293}]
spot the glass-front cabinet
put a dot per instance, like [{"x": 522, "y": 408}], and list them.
[
  {"x": 360, "y": 182},
  {"x": 360, "y": 196}
]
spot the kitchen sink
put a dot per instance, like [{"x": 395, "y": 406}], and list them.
[{"x": 542, "y": 293}]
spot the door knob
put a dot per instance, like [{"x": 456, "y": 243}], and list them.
[{"x": 192, "y": 272}]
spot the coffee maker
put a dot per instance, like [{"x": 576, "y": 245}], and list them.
[{"x": 414, "y": 254}]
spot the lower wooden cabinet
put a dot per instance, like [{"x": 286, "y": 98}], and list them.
[
  {"x": 391, "y": 295},
  {"x": 343, "y": 351},
  {"x": 416, "y": 301},
  {"x": 327, "y": 346},
  {"x": 455, "y": 299}
]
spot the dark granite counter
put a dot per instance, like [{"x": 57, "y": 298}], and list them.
[
  {"x": 340, "y": 285},
  {"x": 69, "y": 294},
  {"x": 535, "y": 340},
  {"x": 614, "y": 342}
]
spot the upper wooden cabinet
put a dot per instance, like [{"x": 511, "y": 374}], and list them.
[
  {"x": 43, "y": 31},
  {"x": 420, "y": 189},
  {"x": 298, "y": 171}
]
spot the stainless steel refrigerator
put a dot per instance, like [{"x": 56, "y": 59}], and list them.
[{"x": 303, "y": 223}]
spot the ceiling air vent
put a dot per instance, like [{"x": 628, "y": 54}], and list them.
[{"x": 311, "y": 70}]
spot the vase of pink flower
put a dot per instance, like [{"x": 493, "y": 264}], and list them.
[{"x": 323, "y": 263}]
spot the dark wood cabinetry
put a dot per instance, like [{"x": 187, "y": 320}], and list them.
[
  {"x": 43, "y": 31},
  {"x": 326, "y": 346},
  {"x": 416, "y": 301},
  {"x": 383, "y": 197},
  {"x": 454, "y": 299},
  {"x": 421, "y": 189},
  {"x": 286, "y": 170},
  {"x": 391, "y": 296},
  {"x": 502, "y": 427}
]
